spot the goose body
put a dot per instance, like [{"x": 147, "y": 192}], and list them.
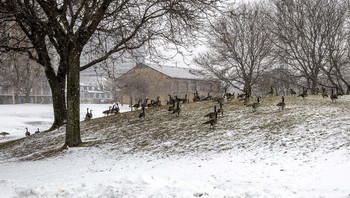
[
  {"x": 333, "y": 96},
  {"x": 281, "y": 104},
  {"x": 4, "y": 134},
  {"x": 177, "y": 110},
  {"x": 27, "y": 133},
  {"x": 270, "y": 92},
  {"x": 292, "y": 92},
  {"x": 303, "y": 95},
  {"x": 255, "y": 105},
  {"x": 221, "y": 110},
  {"x": 107, "y": 112},
  {"x": 115, "y": 109},
  {"x": 213, "y": 121},
  {"x": 142, "y": 114},
  {"x": 211, "y": 114},
  {"x": 88, "y": 115}
]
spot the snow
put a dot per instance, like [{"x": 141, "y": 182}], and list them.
[
  {"x": 305, "y": 156},
  {"x": 178, "y": 72},
  {"x": 15, "y": 117}
]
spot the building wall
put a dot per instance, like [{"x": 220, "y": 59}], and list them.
[
  {"x": 40, "y": 94},
  {"x": 153, "y": 84},
  {"x": 94, "y": 94},
  {"x": 91, "y": 94}
]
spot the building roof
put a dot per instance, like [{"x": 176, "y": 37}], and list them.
[{"x": 178, "y": 72}]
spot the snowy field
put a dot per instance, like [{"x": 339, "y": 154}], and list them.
[
  {"x": 14, "y": 118},
  {"x": 303, "y": 151}
]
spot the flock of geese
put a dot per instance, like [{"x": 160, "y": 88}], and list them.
[{"x": 175, "y": 101}]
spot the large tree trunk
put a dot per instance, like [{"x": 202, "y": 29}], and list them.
[
  {"x": 59, "y": 107},
  {"x": 73, "y": 102},
  {"x": 57, "y": 85}
]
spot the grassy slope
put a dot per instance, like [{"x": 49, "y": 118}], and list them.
[{"x": 303, "y": 128}]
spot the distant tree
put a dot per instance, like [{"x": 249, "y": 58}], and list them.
[
  {"x": 304, "y": 32},
  {"x": 19, "y": 73},
  {"x": 337, "y": 47},
  {"x": 239, "y": 47},
  {"x": 69, "y": 29}
]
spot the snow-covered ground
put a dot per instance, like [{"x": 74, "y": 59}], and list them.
[
  {"x": 301, "y": 152},
  {"x": 14, "y": 118}
]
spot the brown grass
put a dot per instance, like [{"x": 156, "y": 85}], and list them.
[{"x": 162, "y": 133}]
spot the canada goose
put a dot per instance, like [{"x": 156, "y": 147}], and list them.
[
  {"x": 230, "y": 96},
  {"x": 171, "y": 100},
  {"x": 292, "y": 92},
  {"x": 115, "y": 109},
  {"x": 157, "y": 102},
  {"x": 37, "y": 131},
  {"x": 142, "y": 114},
  {"x": 338, "y": 93},
  {"x": 282, "y": 104},
  {"x": 245, "y": 100},
  {"x": 27, "y": 133},
  {"x": 145, "y": 103},
  {"x": 270, "y": 92},
  {"x": 221, "y": 110},
  {"x": 211, "y": 114},
  {"x": 4, "y": 134},
  {"x": 107, "y": 112},
  {"x": 88, "y": 114},
  {"x": 137, "y": 105},
  {"x": 241, "y": 95},
  {"x": 177, "y": 110},
  {"x": 219, "y": 100},
  {"x": 303, "y": 95},
  {"x": 333, "y": 97},
  {"x": 255, "y": 105},
  {"x": 213, "y": 121},
  {"x": 181, "y": 99},
  {"x": 209, "y": 97},
  {"x": 186, "y": 100},
  {"x": 150, "y": 104},
  {"x": 196, "y": 97},
  {"x": 172, "y": 108}
]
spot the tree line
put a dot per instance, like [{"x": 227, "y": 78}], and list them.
[{"x": 279, "y": 43}]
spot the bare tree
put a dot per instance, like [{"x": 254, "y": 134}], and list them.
[
  {"x": 239, "y": 47},
  {"x": 303, "y": 30},
  {"x": 337, "y": 46},
  {"x": 20, "y": 73},
  {"x": 73, "y": 28}
]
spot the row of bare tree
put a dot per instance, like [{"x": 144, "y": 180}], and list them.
[{"x": 279, "y": 43}]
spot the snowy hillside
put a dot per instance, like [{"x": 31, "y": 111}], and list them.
[{"x": 303, "y": 151}]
